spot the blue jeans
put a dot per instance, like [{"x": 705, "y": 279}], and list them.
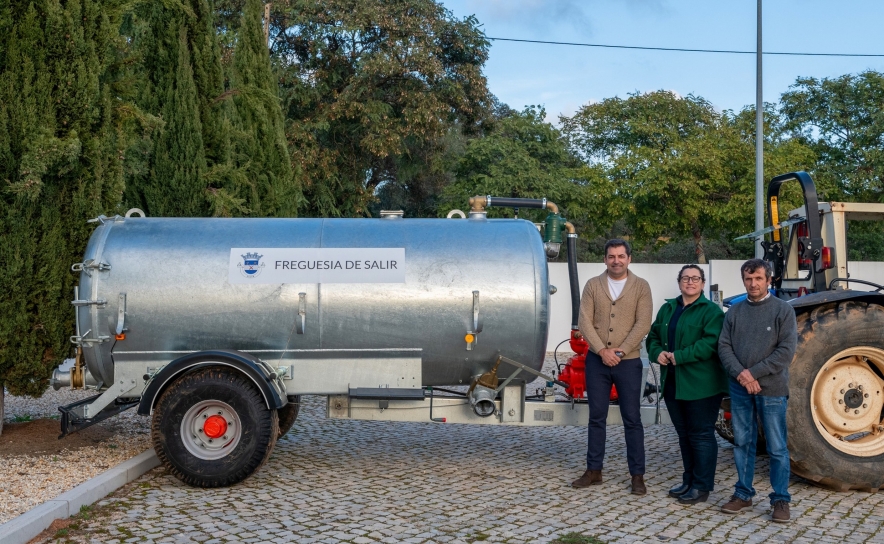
[{"x": 746, "y": 411}]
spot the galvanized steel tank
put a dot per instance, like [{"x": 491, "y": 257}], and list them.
[{"x": 165, "y": 281}]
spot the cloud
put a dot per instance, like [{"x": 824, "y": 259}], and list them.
[
  {"x": 543, "y": 14},
  {"x": 536, "y": 13}
]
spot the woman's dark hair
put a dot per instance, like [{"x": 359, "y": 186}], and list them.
[{"x": 696, "y": 267}]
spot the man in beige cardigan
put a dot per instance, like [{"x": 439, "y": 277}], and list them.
[{"x": 615, "y": 315}]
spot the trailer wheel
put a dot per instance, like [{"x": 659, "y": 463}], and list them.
[
  {"x": 212, "y": 428},
  {"x": 288, "y": 414},
  {"x": 836, "y": 410}
]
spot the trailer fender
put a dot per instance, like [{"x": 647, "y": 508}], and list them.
[{"x": 251, "y": 367}]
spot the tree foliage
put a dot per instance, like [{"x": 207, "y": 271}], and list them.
[
  {"x": 218, "y": 146},
  {"x": 843, "y": 121},
  {"x": 523, "y": 156},
  {"x": 676, "y": 168},
  {"x": 260, "y": 149},
  {"x": 63, "y": 132},
  {"x": 375, "y": 92}
]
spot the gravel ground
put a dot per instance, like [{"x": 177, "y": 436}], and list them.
[{"x": 28, "y": 480}]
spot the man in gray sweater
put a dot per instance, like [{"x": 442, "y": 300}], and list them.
[{"x": 756, "y": 346}]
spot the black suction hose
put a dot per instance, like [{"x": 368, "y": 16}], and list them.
[
  {"x": 505, "y": 202},
  {"x": 572, "y": 279}
]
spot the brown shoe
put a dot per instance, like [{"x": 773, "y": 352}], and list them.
[
  {"x": 736, "y": 504},
  {"x": 638, "y": 485},
  {"x": 590, "y": 477},
  {"x": 780, "y": 512}
]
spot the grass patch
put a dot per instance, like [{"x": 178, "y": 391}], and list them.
[
  {"x": 22, "y": 419},
  {"x": 85, "y": 512},
  {"x": 478, "y": 537},
  {"x": 577, "y": 538},
  {"x": 60, "y": 533}
]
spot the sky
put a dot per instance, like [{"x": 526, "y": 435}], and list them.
[{"x": 563, "y": 78}]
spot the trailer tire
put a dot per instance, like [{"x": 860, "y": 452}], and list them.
[
  {"x": 288, "y": 414},
  {"x": 838, "y": 342},
  {"x": 212, "y": 428}
]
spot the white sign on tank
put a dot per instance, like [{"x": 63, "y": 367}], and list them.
[{"x": 316, "y": 265}]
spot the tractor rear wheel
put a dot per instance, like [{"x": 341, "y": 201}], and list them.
[
  {"x": 836, "y": 406},
  {"x": 212, "y": 428}
]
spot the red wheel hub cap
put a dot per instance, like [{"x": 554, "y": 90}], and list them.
[{"x": 215, "y": 426}]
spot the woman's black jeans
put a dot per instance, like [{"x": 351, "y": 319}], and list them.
[{"x": 694, "y": 421}]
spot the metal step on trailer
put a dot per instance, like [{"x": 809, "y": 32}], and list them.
[{"x": 383, "y": 395}]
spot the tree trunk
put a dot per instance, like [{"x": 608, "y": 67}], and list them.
[
  {"x": 698, "y": 245},
  {"x": 267, "y": 24},
  {"x": 2, "y": 412}
]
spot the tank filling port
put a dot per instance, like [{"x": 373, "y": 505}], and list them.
[
  {"x": 75, "y": 376},
  {"x": 483, "y": 391},
  {"x": 482, "y": 400}
]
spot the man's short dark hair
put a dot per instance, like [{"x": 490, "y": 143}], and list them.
[
  {"x": 752, "y": 265},
  {"x": 618, "y": 242},
  {"x": 695, "y": 267}
]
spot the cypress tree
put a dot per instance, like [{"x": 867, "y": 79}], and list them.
[
  {"x": 260, "y": 148},
  {"x": 176, "y": 186},
  {"x": 170, "y": 180},
  {"x": 62, "y": 136}
]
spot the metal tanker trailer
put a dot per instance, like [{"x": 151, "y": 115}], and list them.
[{"x": 215, "y": 327}]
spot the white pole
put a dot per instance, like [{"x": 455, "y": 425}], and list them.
[{"x": 759, "y": 142}]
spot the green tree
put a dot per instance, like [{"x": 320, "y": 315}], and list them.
[
  {"x": 523, "y": 157},
  {"x": 260, "y": 151},
  {"x": 65, "y": 123},
  {"x": 843, "y": 121},
  {"x": 168, "y": 172},
  {"x": 375, "y": 94},
  {"x": 176, "y": 185},
  {"x": 675, "y": 168}
]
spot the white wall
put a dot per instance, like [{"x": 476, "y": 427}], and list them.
[
  {"x": 727, "y": 275},
  {"x": 862, "y": 270},
  {"x": 661, "y": 278}
]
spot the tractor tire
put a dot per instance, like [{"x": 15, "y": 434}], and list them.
[
  {"x": 212, "y": 428},
  {"x": 835, "y": 415},
  {"x": 288, "y": 414}
]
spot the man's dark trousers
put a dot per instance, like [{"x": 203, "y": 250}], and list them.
[{"x": 627, "y": 376}]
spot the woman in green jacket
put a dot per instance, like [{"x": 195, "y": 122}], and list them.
[{"x": 684, "y": 340}]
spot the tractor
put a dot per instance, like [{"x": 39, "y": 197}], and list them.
[{"x": 836, "y": 405}]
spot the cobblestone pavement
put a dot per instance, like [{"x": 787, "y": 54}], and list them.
[{"x": 336, "y": 481}]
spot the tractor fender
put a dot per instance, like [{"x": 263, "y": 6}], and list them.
[
  {"x": 811, "y": 301},
  {"x": 250, "y": 366}
]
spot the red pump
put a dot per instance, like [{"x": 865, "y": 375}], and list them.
[{"x": 574, "y": 373}]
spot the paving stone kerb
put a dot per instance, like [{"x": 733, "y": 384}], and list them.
[
  {"x": 335, "y": 481},
  {"x": 23, "y": 528}
]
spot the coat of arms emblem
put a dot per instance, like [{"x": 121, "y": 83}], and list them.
[{"x": 251, "y": 265}]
